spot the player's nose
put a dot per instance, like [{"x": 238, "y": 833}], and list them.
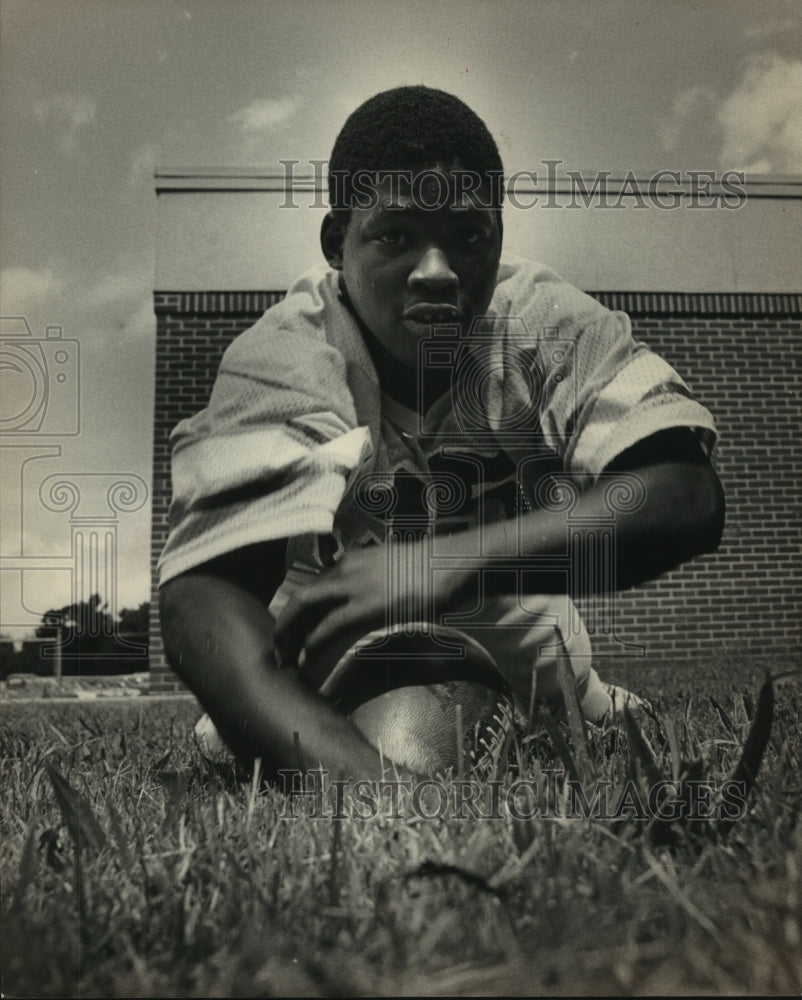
[{"x": 434, "y": 270}]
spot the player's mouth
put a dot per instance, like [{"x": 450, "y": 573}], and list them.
[{"x": 419, "y": 318}]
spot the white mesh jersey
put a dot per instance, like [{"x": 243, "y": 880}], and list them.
[{"x": 297, "y": 420}]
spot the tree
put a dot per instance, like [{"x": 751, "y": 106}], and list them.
[
  {"x": 136, "y": 620},
  {"x": 90, "y": 638},
  {"x": 88, "y": 620},
  {"x": 8, "y": 657}
]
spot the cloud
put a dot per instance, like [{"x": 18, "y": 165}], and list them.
[
  {"x": 263, "y": 116},
  {"x": 87, "y": 307},
  {"x": 69, "y": 113},
  {"x": 118, "y": 288},
  {"x": 761, "y": 121},
  {"x": 759, "y": 166},
  {"x": 687, "y": 104},
  {"x": 772, "y": 26},
  {"x": 24, "y": 290}
]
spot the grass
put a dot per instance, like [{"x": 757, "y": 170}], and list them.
[{"x": 133, "y": 867}]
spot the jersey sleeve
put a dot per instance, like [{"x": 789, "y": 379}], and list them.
[
  {"x": 599, "y": 390},
  {"x": 270, "y": 455}
]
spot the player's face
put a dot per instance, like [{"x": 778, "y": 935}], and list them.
[{"x": 408, "y": 267}]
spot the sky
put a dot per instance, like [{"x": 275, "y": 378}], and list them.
[{"x": 94, "y": 96}]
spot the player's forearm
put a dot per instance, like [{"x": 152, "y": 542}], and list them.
[
  {"x": 219, "y": 640},
  {"x": 681, "y": 516}
]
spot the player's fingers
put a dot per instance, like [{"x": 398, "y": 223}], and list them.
[
  {"x": 298, "y": 619},
  {"x": 339, "y": 630},
  {"x": 289, "y": 638},
  {"x": 328, "y": 643}
]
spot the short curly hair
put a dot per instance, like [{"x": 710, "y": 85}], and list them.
[{"x": 413, "y": 128}]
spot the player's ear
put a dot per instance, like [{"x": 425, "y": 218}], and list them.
[{"x": 332, "y": 238}]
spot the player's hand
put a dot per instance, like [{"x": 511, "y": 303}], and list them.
[{"x": 367, "y": 589}]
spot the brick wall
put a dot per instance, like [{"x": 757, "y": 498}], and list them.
[
  {"x": 192, "y": 331},
  {"x": 740, "y": 355}
]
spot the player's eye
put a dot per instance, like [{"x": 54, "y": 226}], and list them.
[
  {"x": 391, "y": 237},
  {"x": 470, "y": 237}
]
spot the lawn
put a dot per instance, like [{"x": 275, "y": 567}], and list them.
[{"x": 133, "y": 867}]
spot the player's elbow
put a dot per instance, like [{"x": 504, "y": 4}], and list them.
[
  {"x": 704, "y": 507},
  {"x": 174, "y": 608},
  {"x": 187, "y": 612}
]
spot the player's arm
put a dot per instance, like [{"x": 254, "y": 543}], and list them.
[
  {"x": 684, "y": 505},
  {"x": 682, "y": 516},
  {"x": 218, "y": 636}
]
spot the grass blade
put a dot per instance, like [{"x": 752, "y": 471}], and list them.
[
  {"x": 560, "y": 746},
  {"x": 749, "y": 705},
  {"x": 574, "y": 717},
  {"x": 460, "y": 737},
  {"x": 27, "y": 866},
  {"x": 642, "y": 750},
  {"x": 81, "y": 822},
  {"x": 435, "y": 869},
  {"x": 95, "y": 729},
  {"x": 681, "y": 898},
  {"x": 754, "y": 748},
  {"x": 256, "y": 779},
  {"x": 725, "y": 719},
  {"x": 660, "y": 830},
  {"x": 673, "y": 743},
  {"x": 119, "y": 836},
  {"x": 530, "y": 718},
  {"x": 64, "y": 741}
]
